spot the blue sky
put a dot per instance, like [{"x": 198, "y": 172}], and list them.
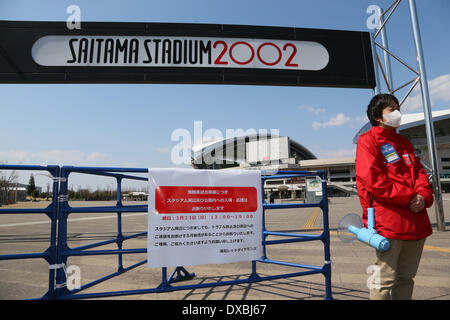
[{"x": 131, "y": 125}]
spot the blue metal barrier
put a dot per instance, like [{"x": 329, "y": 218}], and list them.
[
  {"x": 293, "y": 237},
  {"x": 59, "y": 251},
  {"x": 51, "y": 211},
  {"x": 65, "y": 209}
]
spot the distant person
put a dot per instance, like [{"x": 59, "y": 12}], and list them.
[
  {"x": 272, "y": 197},
  {"x": 391, "y": 179}
]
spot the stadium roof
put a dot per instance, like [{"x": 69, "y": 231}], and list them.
[{"x": 220, "y": 144}]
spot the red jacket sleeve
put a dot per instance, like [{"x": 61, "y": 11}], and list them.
[
  {"x": 372, "y": 173},
  {"x": 422, "y": 184}
]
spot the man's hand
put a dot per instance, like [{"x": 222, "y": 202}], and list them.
[{"x": 417, "y": 203}]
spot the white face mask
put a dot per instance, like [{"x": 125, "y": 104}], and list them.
[{"x": 393, "y": 119}]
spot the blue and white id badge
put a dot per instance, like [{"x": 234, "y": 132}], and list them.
[{"x": 389, "y": 153}]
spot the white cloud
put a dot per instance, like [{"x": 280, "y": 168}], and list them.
[
  {"x": 96, "y": 156},
  {"x": 316, "y": 124},
  {"x": 337, "y": 121},
  {"x": 439, "y": 89},
  {"x": 59, "y": 156},
  {"x": 129, "y": 164},
  {"x": 311, "y": 109},
  {"x": 341, "y": 120},
  {"x": 53, "y": 157},
  {"x": 14, "y": 157}
]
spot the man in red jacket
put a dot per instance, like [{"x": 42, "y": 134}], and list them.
[{"x": 391, "y": 179}]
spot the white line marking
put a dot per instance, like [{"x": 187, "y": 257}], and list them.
[{"x": 71, "y": 220}]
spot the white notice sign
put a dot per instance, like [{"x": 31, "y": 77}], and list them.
[{"x": 203, "y": 216}]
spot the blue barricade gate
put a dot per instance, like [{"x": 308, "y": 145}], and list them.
[
  {"x": 58, "y": 251},
  {"x": 51, "y": 212}
]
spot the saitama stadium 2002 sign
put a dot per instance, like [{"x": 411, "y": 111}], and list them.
[
  {"x": 180, "y": 51},
  {"x": 203, "y": 217},
  {"x": 110, "y": 52}
]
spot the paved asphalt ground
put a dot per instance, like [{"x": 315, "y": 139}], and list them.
[{"x": 22, "y": 279}]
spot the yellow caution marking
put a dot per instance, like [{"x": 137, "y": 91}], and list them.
[
  {"x": 309, "y": 224},
  {"x": 433, "y": 248}
]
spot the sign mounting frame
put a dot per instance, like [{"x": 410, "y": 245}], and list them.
[{"x": 350, "y": 62}]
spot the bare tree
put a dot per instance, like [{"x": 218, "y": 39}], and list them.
[{"x": 8, "y": 180}]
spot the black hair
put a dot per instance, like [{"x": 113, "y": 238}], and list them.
[{"x": 376, "y": 106}]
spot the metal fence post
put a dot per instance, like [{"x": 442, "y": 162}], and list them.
[
  {"x": 326, "y": 237},
  {"x": 61, "y": 260},
  {"x": 119, "y": 224},
  {"x": 53, "y": 215}
]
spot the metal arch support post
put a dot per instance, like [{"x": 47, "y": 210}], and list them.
[
  {"x": 377, "y": 89},
  {"x": 387, "y": 60},
  {"x": 431, "y": 140}
]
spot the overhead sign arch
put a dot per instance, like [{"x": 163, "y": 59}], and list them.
[{"x": 113, "y": 52}]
